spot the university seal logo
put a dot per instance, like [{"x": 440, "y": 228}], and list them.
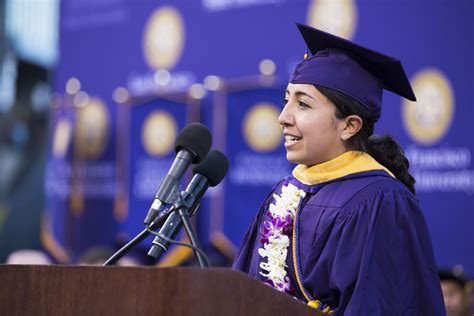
[
  {"x": 428, "y": 119},
  {"x": 92, "y": 128},
  {"x": 261, "y": 128},
  {"x": 338, "y": 17},
  {"x": 158, "y": 133},
  {"x": 163, "y": 38}
]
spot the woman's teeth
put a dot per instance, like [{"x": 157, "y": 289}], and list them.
[{"x": 291, "y": 139}]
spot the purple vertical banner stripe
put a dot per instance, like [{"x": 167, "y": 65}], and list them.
[{"x": 154, "y": 126}]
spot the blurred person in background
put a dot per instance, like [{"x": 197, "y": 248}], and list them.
[
  {"x": 455, "y": 294},
  {"x": 28, "y": 256}
]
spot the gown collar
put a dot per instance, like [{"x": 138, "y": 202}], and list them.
[{"x": 346, "y": 164}]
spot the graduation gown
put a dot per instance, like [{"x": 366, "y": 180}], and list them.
[{"x": 362, "y": 246}]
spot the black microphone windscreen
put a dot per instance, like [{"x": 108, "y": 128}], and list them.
[
  {"x": 194, "y": 137},
  {"x": 213, "y": 167}
]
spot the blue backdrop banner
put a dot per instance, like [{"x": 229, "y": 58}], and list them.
[{"x": 111, "y": 49}]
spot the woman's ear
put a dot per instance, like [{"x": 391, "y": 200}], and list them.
[{"x": 353, "y": 124}]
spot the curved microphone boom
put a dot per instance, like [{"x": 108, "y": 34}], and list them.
[
  {"x": 209, "y": 172},
  {"x": 192, "y": 145}
]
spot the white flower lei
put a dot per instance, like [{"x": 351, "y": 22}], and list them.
[{"x": 276, "y": 231}]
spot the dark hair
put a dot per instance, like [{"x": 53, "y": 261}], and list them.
[
  {"x": 384, "y": 149},
  {"x": 448, "y": 275}
]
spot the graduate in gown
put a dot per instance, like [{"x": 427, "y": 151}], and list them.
[{"x": 344, "y": 232}]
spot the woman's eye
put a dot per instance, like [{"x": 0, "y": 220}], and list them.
[
  {"x": 285, "y": 101},
  {"x": 303, "y": 105}
]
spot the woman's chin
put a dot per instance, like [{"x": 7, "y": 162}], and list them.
[{"x": 293, "y": 158}]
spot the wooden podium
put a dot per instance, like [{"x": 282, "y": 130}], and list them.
[{"x": 88, "y": 290}]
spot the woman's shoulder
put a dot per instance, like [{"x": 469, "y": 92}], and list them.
[{"x": 357, "y": 188}]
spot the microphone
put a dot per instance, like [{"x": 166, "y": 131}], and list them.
[
  {"x": 191, "y": 146},
  {"x": 209, "y": 172}
]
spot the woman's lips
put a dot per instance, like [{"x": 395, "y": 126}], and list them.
[{"x": 291, "y": 140}]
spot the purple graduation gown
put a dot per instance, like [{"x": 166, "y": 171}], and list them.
[{"x": 364, "y": 247}]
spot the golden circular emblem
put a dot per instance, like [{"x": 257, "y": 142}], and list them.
[
  {"x": 61, "y": 138},
  {"x": 428, "y": 119},
  {"x": 163, "y": 38},
  {"x": 158, "y": 133},
  {"x": 336, "y": 17},
  {"x": 261, "y": 128},
  {"x": 92, "y": 128}
]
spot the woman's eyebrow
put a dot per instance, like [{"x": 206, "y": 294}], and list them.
[{"x": 300, "y": 93}]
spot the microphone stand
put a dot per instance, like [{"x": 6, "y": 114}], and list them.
[
  {"x": 137, "y": 239},
  {"x": 183, "y": 212},
  {"x": 156, "y": 219},
  {"x": 182, "y": 207},
  {"x": 122, "y": 251}
]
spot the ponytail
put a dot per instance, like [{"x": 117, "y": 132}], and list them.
[
  {"x": 384, "y": 149},
  {"x": 390, "y": 154}
]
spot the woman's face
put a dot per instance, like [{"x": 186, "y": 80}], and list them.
[{"x": 310, "y": 127}]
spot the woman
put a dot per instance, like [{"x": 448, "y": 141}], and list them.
[{"x": 344, "y": 232}]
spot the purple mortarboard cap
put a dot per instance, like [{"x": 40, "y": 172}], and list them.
[{"x": 351, "y": 69}]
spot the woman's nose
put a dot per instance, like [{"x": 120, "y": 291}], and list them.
[{"x": 286, "y": 117}]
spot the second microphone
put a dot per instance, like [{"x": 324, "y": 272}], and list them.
[{"x": 209, "y": 172}]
